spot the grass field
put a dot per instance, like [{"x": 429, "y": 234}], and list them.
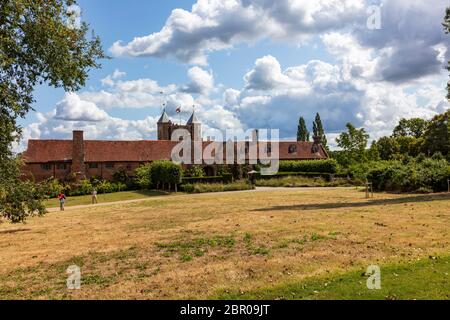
[
  {"x": 105, "y": 198},
  {"x": 282, "y": 244}
]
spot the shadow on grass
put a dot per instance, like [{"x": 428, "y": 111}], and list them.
[
  {"x": 14, "y": 231},
  {"x": 376, "y": 202}
]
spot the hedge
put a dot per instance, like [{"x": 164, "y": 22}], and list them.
[
  {"x": 226, "y": 178},
  {"x": 320, "y": 166},
  {"x": 327, "y": 176},
  {"x": 429, "y": 174}
]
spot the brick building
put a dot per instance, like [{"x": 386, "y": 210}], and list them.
[{"x": 79, "y": 158}]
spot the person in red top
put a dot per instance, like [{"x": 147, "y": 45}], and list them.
[{"x": 62, "y": 200}]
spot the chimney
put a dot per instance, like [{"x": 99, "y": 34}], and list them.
[
  {"x": 78, "y": 166},
  {"x": 255, "y": 135}
]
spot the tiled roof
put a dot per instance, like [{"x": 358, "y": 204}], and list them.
[{"x": 42, "y": 151}]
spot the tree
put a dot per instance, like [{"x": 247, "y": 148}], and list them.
[
  {"x": 302, "y": 132},
  {"x": 353, "y": 143},
  {"x": 143, "y": 176},
  {"x": 388, "y": 147},
  {"x": 166, "y": 173},
  {"x": 319, "y": 132},
  {"x": 437, "y": 136},
  {"x": 39, "y": 43},
  {"x": 446, "y": 25},
  {"x": 410, "y": 128}
]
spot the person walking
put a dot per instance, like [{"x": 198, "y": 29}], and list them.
[
  {"x": 94, "y": 196},
  {"x": 62, "y": 201}
]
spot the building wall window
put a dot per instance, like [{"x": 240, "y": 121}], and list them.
[
  {"x": 292, "y": 148},
  {"x": 93, "y": 165},
  {"x": 46, "y": 166},
  {"x": 61, "y": 166},
  {"x": 109, "y": 165}
]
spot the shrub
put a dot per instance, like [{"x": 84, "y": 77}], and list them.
[
  {"x": 427, "y": 174},
  {"x": 166, "y": 173},
  {"x": 216, "y": 187},
  {"x": 321, "y": 166},
  {"x": 143, "y": 176},
  {"x": 195, "y": 172},
  {"x": 204, "y": 180},
  {"x": 305, "y": 182}
]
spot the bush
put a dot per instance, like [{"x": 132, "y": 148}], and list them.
[
  {"x": 414, "y": 176},
  {"x": 82, "y": 188},
  {"x": 227, "y": 178},
  {"x": 320, "y": 166},
  {"x": 143, "y": 176},
  {"x": 305, "y": 182},
  {"x": 326, "y": 176},
  {"x": 166, "y": 173},
  {"x": 195, "y": 172},
  {"x": 216, "y": 187}
]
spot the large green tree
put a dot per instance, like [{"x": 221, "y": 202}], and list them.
[
  {"x": 414, "y": 127},
  {"x": 41, "y": 41},
  {"x": 446, "y": 25},
  {"x": 437, "y": 136},
  {"x": 319, "y": 131},
  {"x": 302, "y": 132},
  {"x": 353, "y": 143}
]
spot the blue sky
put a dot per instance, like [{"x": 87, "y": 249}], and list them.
[{"x": 253, "y": 64}]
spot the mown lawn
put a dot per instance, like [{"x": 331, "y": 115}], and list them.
[
  {"x": 105, "y": 198},
  {"x": 276, "y": 244}
]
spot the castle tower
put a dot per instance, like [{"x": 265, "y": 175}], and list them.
[
  {"x": 164, "y": 125},
  {"x": 195, "y": 127}
]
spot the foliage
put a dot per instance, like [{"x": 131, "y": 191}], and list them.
[
  {"x": 412, "y": 176},
  {"x": 387, "y": 147},
  {"x": 414, "y": 127},
  {"x": 300, "y": 181},
  {"x": 18, "y": 199},
  {"x": 216, "y": 187},
  {"x": 84, "y": 187},
  {"x": 37, "y": 45},
  {"x": 320, "y": 166},
  {"x": 195, "y": 172},
  {"x": 302, "y": 132},
  {"x": 223, "y": 170},
  {"x": 237, "y": 172},
  {"x": 353, "y": 143},
  {"x": 228, "y": 178},
  {"x": 437, "y": 135},
  {"x": 319, "y": 132},
  {"x": 143, "y": 176},
  {"x": 121, "y": 176},
  {"x": 166, "y": 173}
]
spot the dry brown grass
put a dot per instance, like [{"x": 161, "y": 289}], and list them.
[{"x": 168, "y": 248}]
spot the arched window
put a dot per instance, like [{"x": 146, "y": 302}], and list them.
[{"x": 292, "y": 148}]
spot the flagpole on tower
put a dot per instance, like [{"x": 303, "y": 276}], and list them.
[{"x": 178, "y": 110}]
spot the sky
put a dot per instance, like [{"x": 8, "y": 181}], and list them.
[{"x": 245, "y": 64}]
